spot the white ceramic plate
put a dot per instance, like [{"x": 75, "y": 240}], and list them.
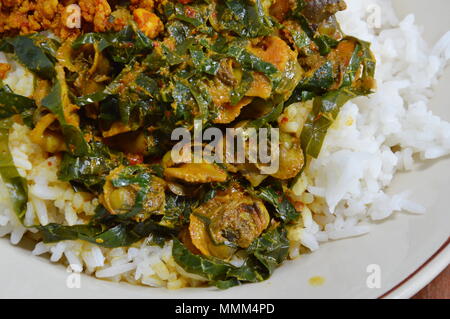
[{"x": 410, "y": 250}]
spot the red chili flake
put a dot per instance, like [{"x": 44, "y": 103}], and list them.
[
  {"x": 184, "y": 1},
  {"x": 190, "y": 12},
  {"x": 135, "y": 159},
  {"x": 156, "y": 44},
  {"x": 49, "y": 163},
  {"x": 284, "y": 120},
  {"x": 299, "y": 206}
]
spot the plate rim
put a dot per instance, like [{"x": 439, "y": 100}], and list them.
[{"x": 422, "y": 276}]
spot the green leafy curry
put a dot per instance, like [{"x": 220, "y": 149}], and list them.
[{"x": 107, "y": 102}]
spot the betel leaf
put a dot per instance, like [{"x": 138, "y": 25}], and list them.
[
  {"x": 54, "y": 102},
  {"x": 320, "y": 80},
  {"x": 357, "y": 80},
  {"x": 178, "y": 30},
  {"x": 194, "y": 14},
  {"x": 15, "y": 184},
  {"x": 323, "y": 42},
  {"x": 300, "y": 95},
  {"x": 367, "y": 61},
  {"x": 133, "y": 103},
  {"x": 271, "y": 249},
  {"x": 200, "y": 93},
  {"x": 203, "y": 63},
  {"x": 177, "y": 210},
  {"x": 263, "y": 256},
  {"x": 32, "y": 56},
  {"x": 57, "y": 101},
  {"x": 269, "y": 117},
  {"x": 300, "y": 37},
  {"x": 278, "y": 200},
  {"x": 210, "y": 268},
  {"x": 113, "y": 237},
  {"x": 49, "y": 45},
  {"x": 361, "y": 64},
  {"x": 91, "y": 98},
  {"x": 12, "y": 104},
  {"x": 111, "y": 234},
  {"x": 244, "y": 17},
  {"x": 250, "y": 61},
  {"x": 186, "y": 104},
  {"x": 92, "y": 38},
  {"x": 128, "y": 44},
  {"x": 171, "y": 57},
  {"x": 156, "y": 60},
  {"x": 325, "y": 111},
  {"x": 122, "y": 47},
  {"x": 91, "y": 169},
  {"x": 239, "y": 91}
]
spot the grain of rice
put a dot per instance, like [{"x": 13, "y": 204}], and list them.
[
  {"x": 115, "y": 270},
  {"x": 41, "y": 210},
  {"x": 57, "y": 251}
]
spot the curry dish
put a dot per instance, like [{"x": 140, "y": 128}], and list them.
[{"x": 113, "y": 79}]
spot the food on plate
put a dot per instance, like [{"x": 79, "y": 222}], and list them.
[{"x": 92, "y": 91}]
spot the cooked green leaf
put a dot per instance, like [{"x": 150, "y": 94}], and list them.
[
  {"x": 89, "y": 170},
  {"x": 325, "y": 111},
  {"x": 276, "y": 197},
  {"x": 114, "y": 234},
  {"x": 321, "y": 79},
  {"x": 32, "y": 56},
  {"x": 271, "y": 249},
  {"x": 194, "y": 14},
  {"x": 203, "y": 63},
  {"x": 12, "y": 104},
  {"x": 15, "y": 184},
  {"x": 123, "y": 47},
  {"x": 210, "y": 268},
  {"x": 56, "y": 101},
  {"x": 357, "y": 79},
  {"x": 250, "y": 61},
  {"x": 91, "y": 98},
  {"x": 239, "y": 91},
  {"x": 264, "y": 255},
  {"x": 244, "y": 17},
  {"x": 270, "y": 117},
  {"x": 177, "y": 210}
]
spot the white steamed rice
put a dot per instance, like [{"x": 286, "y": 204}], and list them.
[{"x": 343, "y": 190}]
